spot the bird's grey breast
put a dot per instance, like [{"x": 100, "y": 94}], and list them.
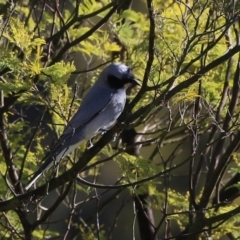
[{"x": 116, "y": 105}]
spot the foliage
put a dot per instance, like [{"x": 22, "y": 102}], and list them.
[{"x": 186, "y": 115}]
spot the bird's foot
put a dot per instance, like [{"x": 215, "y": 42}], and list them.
[
  {"x": 114, "y": 137},
  {"x": 90, "y": 145},
  {"x": 102, "y": 131}
]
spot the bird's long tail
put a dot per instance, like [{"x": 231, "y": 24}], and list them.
[
  {"x": 49, "y": 162},
  {"x": 35, "y": 177}
]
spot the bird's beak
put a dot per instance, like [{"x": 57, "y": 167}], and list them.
[{"x": 134, "y": 81}]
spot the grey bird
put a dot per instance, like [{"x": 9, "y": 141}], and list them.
[{"x": 99, "y": 110}]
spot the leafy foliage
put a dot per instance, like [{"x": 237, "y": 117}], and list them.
[{"x": 188, "y": 106}]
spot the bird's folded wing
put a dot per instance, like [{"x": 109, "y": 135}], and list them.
[{"x": 92, "y": 105}]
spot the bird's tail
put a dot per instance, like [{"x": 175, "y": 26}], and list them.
[
  {"x": 35, "y": 177},
  {"x": 49, "y": 162}
]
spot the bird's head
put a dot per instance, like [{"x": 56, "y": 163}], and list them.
[{"x": 117, "y": 75}]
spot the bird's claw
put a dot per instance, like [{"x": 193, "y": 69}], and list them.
[
  {"x": 90, "y": 145},
  {"x": 114, "y": 137},
  {"x": 102, "y": 131}
]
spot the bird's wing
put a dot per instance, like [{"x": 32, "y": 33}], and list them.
[{"x": 94, "y": 103}]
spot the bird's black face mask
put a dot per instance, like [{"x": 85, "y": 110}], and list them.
[{"x": 117, "y": 83}]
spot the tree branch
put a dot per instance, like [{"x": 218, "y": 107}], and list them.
[{"x": 67, "y": 46}]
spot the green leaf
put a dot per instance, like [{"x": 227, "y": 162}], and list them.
[{"x": 131, "y": 15}]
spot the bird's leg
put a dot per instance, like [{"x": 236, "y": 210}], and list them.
[
  {"x": 114, "y": 137},
  {"x": 90, "y": 145},
  {"x": 102, "y": 131}
]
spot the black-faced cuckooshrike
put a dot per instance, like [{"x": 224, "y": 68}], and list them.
[{"x": 100, "y": 108}]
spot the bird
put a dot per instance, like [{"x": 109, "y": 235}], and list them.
[{"x": 98, "y": 111}]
